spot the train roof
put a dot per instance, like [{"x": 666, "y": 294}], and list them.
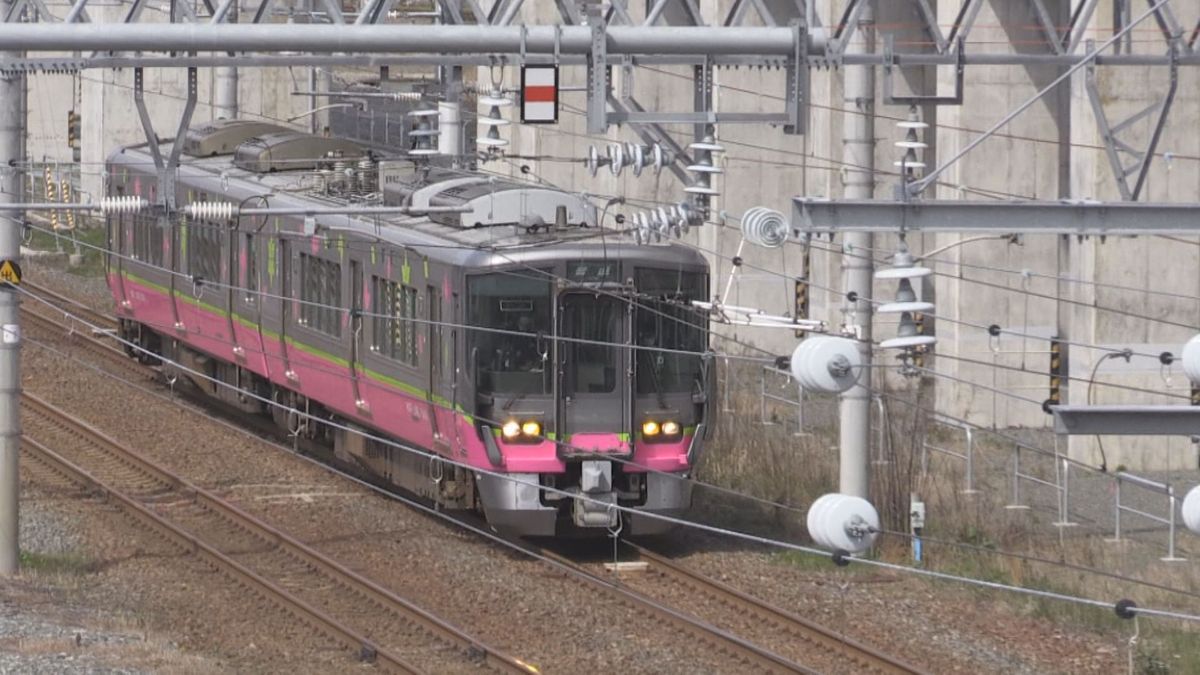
[{"x": 463, "y": 241}]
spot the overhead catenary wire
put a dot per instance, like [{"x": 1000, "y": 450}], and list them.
[{"x": 841, "y": 558}]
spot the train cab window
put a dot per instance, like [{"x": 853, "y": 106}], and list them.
[
  {"x": 321, "y": 295},
  {"x": 589, "y": 358},
  {"x": 664, "y": 318},
  {"x": 517, "y": 305},
  {"x": 394, "y": 306}
]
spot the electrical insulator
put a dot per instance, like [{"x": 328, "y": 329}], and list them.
[
  {"x": 1191, "y": 510},
  {"x": 903, "y": 269},
  {"x": 494, "y": 119},
  {"x": 826, "y": 364},
  {"x": 705, "y": 167},
  {"x": 911, "y": 144},
  {"x": 423, "y": 136},
  {"x": 1191, "y": 360},
  {"x": 211, "y": 210},
  {"x": 765, "y": 227},
  {"x": 120, "y": 205},
  {"x": 843, "y": 523}
]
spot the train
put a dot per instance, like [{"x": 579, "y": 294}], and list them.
[{"x": 547, "y": 371}]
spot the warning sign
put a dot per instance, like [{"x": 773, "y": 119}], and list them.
[
  {"x": 539, "y": 94},
  {"x": 10, "y": 272}
]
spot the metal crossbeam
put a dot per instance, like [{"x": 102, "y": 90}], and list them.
[
  {"x": 1127, "y": 420},
  {"x": 820, "y": 216}
]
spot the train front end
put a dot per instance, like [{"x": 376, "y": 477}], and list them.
[{"x": 592, "y": 386}]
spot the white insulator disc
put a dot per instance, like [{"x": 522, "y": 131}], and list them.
[
  {"x": 659, "y": 158},
  {"x": 839, "y": 519},
  {"x": 909, "y": 165},
  {"x": 765, "y": 227},
  {"x": 906, "y": 342},
  {"x": 1191, "y": 510},
  {"x": 710, "y": 147},
  {"x": 616, "y": 158},
  {"x": 495, "y": 101},
  {"x": 593, "y": 160},
  {"x": 493, "y": 122},
  {"x": 812, "y": 358},
  {"x": 1191, "y": 360},
  {"x": 903, "y": 273},
  {"x": 422, "y": 113},
  {"x": 422, "y": 152},
  {"x": 423, "y": 132},
  {"x": 914, "y": 145},
  {"x": 493, "y": 142},
  {"x": 814, "y": 519},
  {"x": 705, "y": 168},
  {"x": 898, "y": 307},
  {"x": 701, "y": 190},
  {"x": 912, "y": 125},
  {"x": 638, "y": 153}
]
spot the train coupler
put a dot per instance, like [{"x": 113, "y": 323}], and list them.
[{"x": 595, "y": 506}]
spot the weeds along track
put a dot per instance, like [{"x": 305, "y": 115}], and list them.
[
  {"x": 791, "y": 634},
  {"x": 317, "y": 591}
]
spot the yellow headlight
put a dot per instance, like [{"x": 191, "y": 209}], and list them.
[
  {"x": 511, "y": 429},
  {"x": 670, "y": 428},
  {"x": 531, "y": 428},
  {"x": 650, "y": 428}
]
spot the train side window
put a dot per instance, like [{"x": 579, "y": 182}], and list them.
[
  {"x": 437, "y": 348},
  {"x": 147, "y": 239},
  {"x": 394, "y": 334},
  {"x": 320, "y": 294},
  {"x": 204, "y": 251},
  {"x": 250, "y": 280}
]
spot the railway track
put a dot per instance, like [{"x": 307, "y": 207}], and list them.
[
  {"x": 797, "y": 633},
  {"x": 711, "y": 631},
  {"x": 68, "y": 305},
  {"x": 351, "y": 610}
]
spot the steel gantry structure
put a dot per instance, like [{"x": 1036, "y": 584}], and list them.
[{"x": 609, "y": 41}]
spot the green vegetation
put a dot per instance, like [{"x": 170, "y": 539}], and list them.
[
  {"x": 86, "y": 240},
  {"x": 62, "y": 564}
]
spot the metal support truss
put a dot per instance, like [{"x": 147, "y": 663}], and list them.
[
  {"x": 167, "y": 168},
  {"x": 1117, "y": 149},
  {"x": 821, "y": 216}
]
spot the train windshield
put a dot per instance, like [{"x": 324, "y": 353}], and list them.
[
  {"x": 512, "y": 358},
  {"x": 665, "y": 318}
]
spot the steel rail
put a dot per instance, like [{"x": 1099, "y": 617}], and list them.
[
  {"x": 234, "y": 570},
  {"x": 762, "y": 660},
  {"x": 366, "y": 588},
  {"x": 862, "y": 657},
  {"x": 70, "y": 305}
]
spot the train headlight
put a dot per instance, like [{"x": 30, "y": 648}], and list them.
[
  {"x": 511, "y": 430},
  {"x": 531, "y": 428},
  {"x": 650, "y": 428},
  {"x": 670, "y": 428}
]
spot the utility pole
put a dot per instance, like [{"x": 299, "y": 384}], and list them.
[
  {"x": 12, "y": 136},
  {"x": 225, "y": 103},
  {"x": 858, "y": 152}
]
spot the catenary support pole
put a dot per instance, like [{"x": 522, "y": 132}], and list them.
[
  {"x": 225, "y": 98},
  {"x": 12, "y": 134},
  {"x": 858, "y": 152}
]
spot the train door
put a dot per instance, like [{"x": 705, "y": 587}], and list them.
[
  {"x": 356, "y": 330},
  {"x": 441, "y": 395},
  {"x": 593, "y": 349},
  {"x": 120, "y": 230},
  {"x": 285, "y": 302}
]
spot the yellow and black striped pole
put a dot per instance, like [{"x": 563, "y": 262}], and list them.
[
  {"x": 801, "y": 308},
  {"x": 1056, "y": 372}
]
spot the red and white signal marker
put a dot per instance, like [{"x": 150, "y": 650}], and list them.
[{"x": 539, "y": 94}]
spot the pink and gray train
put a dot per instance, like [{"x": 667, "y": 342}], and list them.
[{"x": 507, "y": 335}]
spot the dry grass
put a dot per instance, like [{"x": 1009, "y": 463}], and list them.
[{"x": 772, "y": 463}]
